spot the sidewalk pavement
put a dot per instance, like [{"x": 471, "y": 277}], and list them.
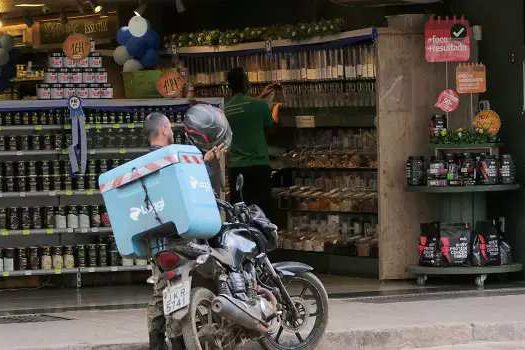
[{"x": 496, "y": 322}]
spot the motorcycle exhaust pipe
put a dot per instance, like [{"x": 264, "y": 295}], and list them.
[{"x": 227, "y": 308}]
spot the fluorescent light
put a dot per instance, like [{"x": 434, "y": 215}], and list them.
[
  {"x": 1, "y": 23},
  {"x": 97, "y": 8},
  {"x": 30, "y": 5},
  {"x": 136, "y": 13}
]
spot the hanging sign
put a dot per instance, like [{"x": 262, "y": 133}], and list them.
[
  {"x": 447, "y": 40},
  {"x": 171, "y": 84},
  {"x": 448, "y": 101},
  {"x": 77, "y": 46},
  {"x": 471, "y": 79}
]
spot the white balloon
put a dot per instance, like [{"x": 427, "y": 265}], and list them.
[
  {"x": 6, "y": 42},
  {"x": 4, "y": 56},
  {"x": 138, "y": 26},
  {"x": 121, "y": 55},
  {"x": 132, "y": 65}
]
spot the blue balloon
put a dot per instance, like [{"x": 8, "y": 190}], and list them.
[
  {"x": 150, "y": 58},
  {"x": 123, "y": 35},
  {"x": 152, "y": 39},
  {"x": 136, "y": 46}
]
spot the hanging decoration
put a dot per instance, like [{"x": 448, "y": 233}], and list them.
[
  {"x": 139, "y": 45},
  {"x": 471, "y": 79},
  {"x": 448, "y": 101},
  {"x": 250, "y": 34},
  {"x": 447, "y": 40}
]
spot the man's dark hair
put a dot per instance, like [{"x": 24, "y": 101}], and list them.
[
  {"x": 238, "y": 80},
  {"x": 152, "y": 124}
]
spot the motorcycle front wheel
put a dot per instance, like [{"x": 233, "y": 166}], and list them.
[{"x": 304, "y": 332}]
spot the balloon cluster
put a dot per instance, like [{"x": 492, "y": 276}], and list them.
[
  {"x": 7, "y": 68},
  {"x": 139, "y": 45}
]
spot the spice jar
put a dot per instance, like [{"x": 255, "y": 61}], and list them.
[
  {"x": 69, "y": 257},
  {"x": 94, "y": 91},
  {"x": 14, "y": 220},
  {"x": 26, "y": 218},
  {"x": 95, "y": 217},
  {"x": 72, "y": 217},
  {"x": 60, "y": 218},
  {"x": 102, "y": 255},
  {"x": 46, "y": 262},
  {"x": 82, "y": 91},
  {"x": 88, "y": 76},
  {"x": 488, "y": 170},
  {"x": 92, "y": 255},
  {"x": 36, "y": 218},
  {"x": 51, "y": 76},
  {"x": 57, "y": 92},
  {"x": 69, "y": 90},
  {"x": 43, "y": 91},
  {"x": 34, "y": 260},
  {"x": 101, "y": 76},
  {"x": 64, "y": 76},
  {"x": 83, "y": 217},
  {"x": 49, "y": 217},
  {"x": 9, "y": 259},
  {"x": 95, "y": 60},
  {"x": 58, "y": 259},
  {"x": 507, "y": 169},
  {"x": 21, "y": 259},
  {"x": 81, "y": 255}
]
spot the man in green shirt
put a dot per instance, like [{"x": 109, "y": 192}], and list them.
[{"x": 248, "y": 153}]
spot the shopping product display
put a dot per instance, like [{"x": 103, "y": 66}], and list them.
[
  {"x": 65, "y": 77},
  {"x": 464, "y": 169}
]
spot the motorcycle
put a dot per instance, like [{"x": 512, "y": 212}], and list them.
[{"x": 225, "y": 291}]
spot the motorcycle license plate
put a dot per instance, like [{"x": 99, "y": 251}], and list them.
[{"x": 176, "y": 296}]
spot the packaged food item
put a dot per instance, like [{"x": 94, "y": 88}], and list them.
[
  {"x": 507, "y": 169},
  {"x": 94, "y": 91},
  {"x": 88, "y": 76},
  {"x": 21, "y": 263},
  {"x": 429, "y": 248},
  {"x": 51, "y": 76},
  {"x": 455, "y": 243},
  {"x": 95, "y": 60},
  {"x": 438, "y": 122},
  {"x": 57, "y": 92},
  {"x": 9, "y": 259},
  {"x": 101, "y": 76},
  {"x": 64, "y": 76},
  {"x": 82, "y": 91},
  {"x": 72, "y": 217},
  {"x": 81, "y": 255},
  {"x": 43, "y": 91},
  {"x": 486, "y": 244},
  {"x": 69, "y": 90},
  {"x": 69, "y": 62},
  {"x": 57, "y": 258},
  {"x": 34, "y": 259},
  {"x": 46, "y": 262},
  {"x": 69, "y": 257},
  {"x": 56, "y": 60}
]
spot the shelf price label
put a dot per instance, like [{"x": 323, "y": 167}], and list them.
[
  {"x": 28, "y": 273},
  {"x": 22, "y": 194},
  {"x": 114, "y": 269},
  {"x": 38, "y": 128},
  {"x": 49, "y": 231},
  {"x": 69, "y": 193},
  {"x": 116, "y": 126},
  {"x": 4, "y": 233},
  {"x": 122, "y": 151},
  {"x": 6, "y": 274},
  {"x": 26, "y": 232},
  {"x": 98, "y": 126},
  {"x": 67, "y": 127},
  {"x": 305, "y": 121},
  {"x": 91, "y": 269},
  {"x": 90, "y": 192},
  {"x": 57, "y": 271},
  {"x": 131, "y": 126}
]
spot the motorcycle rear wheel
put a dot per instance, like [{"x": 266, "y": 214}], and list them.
[{"x": 309, "y": 282}]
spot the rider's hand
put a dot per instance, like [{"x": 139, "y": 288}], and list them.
[
  {"x": 215, "y": 153},
  {"x": 266, "y": 91}
]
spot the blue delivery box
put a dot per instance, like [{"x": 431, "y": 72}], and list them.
[{"x": 166, "y": 192}]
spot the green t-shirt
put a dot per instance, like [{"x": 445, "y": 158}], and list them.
[{"x": 248, "y": 117}]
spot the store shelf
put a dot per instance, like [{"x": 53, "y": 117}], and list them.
[
  {"x": 67, "y": 193},
  {"x": 463, "y": 270},
  {"x": 319, "y": 117},
  {"x": 102, "y": 151},
  {"x": 290, "y": 82},
  {"x": 53, "y": 231},
  {"x": 317, "y": 211},
  {"x": 10, "y": 129},
  {"x": 293, "y": 167},
  {"x": 464, "y": 146},
  {"x": 462, "y": 189},
  {"x": 77, "y": 270}
]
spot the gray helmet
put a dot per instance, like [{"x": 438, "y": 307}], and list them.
[{"x": 206, "y": 126}]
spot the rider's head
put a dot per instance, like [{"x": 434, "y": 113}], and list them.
[
  {"x": 157, "y": 128},
  {"x": 238, "y": 81}
]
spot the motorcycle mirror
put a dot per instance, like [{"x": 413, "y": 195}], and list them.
[{"x": 239, "y": 185}]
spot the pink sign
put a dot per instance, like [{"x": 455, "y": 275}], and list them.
[
  {"x": 447, "y": 40},
  {"x": 448, "y": 101}
]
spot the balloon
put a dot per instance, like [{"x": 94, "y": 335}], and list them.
[
  {"x": 136, "y": 47},
  {"x": 150, "y": 58},
  {"x": 123, "y": 35},
  {"x": 4, "y": 56},
  {"x": 121, "y": 55},
  {"x": 152, "y": 39},
  {"x": 138, "y": 26},
  {"x": 132, "y": 65},
  {"x": 6, "y": 42}
]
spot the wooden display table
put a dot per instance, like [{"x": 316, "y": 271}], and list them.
[{"x": 481, "y": 272}]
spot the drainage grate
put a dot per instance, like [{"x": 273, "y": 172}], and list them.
[{"x": 30, "y": 318}]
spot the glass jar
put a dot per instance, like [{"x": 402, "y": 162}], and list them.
[
  {"x": 56, "y": 60},
  {"x": 21, "y": 259},
  {"x": 57, "y": 92},
  {"x": 72, "y": 217},
  {"x": 83, "y": 217},
  {"x": 49, "y": 217},
  {"x": 92, "y": 255},
  {"x": 64, "y": 76},
  {"x": 46, "y": 262},
  {"x": 58, "y": 259},
  {"x": 81, "y": 255},
  {"x": 60, "y": 218},
  {"x": 9, "y": 259},
  {"x": 88, "y": 76},
  {"x": 102, "y": 255},
  {"x": 25, "y": 218},
  {"x": 37, "y": 218},
  {"x": 69, "y": 257},
  {"x": 95, "y": 216},
  {"x": 43, "y": 91},
  {"x": 34, "y": 259}
]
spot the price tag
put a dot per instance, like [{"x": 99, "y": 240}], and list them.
[
  {"x": 19, "y": 153},
  {"x": 131, "y": 126},
  {"x": 91, "y": 269},
  {"x": 4, "y": 233},
  {"x": 98, "y": 126},
  {"x": 65, "y": 151},
  {"x": 90, "y": 192},
  {"x": 57, "y": 271},
  {"x": 49, "y": 231},
  {"x": 69, "y": 193},
  {"x": 26, "y": 232},
  {"x": 114, "y": 269},
  {"x": 94, "y": 229},
  {"x": 52, "y": 193},
  {"x": 5, "y": 274},
  {"x": 28, "y": 273},
  {"x": 305, "y": 121},
  {"x": 38, "y": 127},
  {"x": 116, "y": 126},
  {"x": 67, "y": 127},
  {"x": 92, "y": 151},
  {"x": 83, "y": 230},
  {"x": 69, "y": 230},
  {"x": 22, "y": 194},
  {"x": 122, "y": 151}
]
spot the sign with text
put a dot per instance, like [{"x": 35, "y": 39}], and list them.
[
  {"x": 471, "y": 79},
  {"x": 53, "y": 32},
  {"x": 448, "y": 101},
  {"x": 447, "y": 40},
  {"x": 77, "y": 46},
  {"x": 171, "y": 84}
]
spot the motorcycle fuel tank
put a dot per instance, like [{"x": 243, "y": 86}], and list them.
[
  {"x": 238, "y": 243},
  {"x": 169, "y": 187}
]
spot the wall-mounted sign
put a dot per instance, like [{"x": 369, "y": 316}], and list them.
[
  {"x": 53, "y": 32},
  {"x": 471, "y": 79},
  {"x": 447, "y": 40},
  {"x": 77, "y": 46},
  {"x": 171, "y": 84},
  {"x": 448, "y": 101}
]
